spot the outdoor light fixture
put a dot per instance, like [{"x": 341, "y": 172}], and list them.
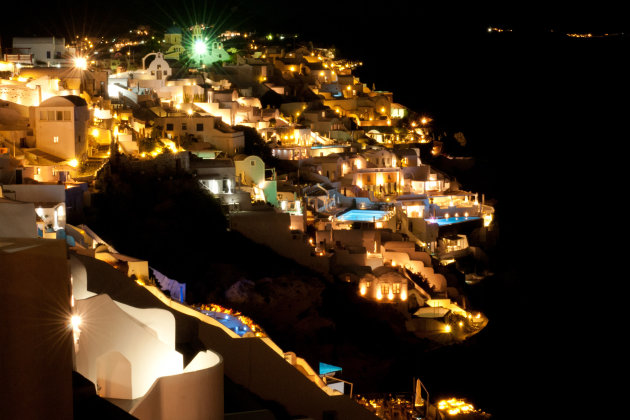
[
  {"x": 80, "y": 63},
  {"x": 75, "y": 321},
  {"x": 200, "y": 47}
]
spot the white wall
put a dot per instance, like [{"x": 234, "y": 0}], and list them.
[
  {"x": 106, "y": 329},
  {"x": 17, "y": 220},
  {"x": 195, "y": 395}
]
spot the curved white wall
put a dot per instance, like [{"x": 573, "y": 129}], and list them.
[{"x": 106, "y": 328}]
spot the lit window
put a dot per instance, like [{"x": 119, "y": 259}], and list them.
[
  {"x": 396, "y": 287},
  {"x": 39, "y": 171},
  {"x": 385, "y": 289},
  {"x": 56, "y": 139}
]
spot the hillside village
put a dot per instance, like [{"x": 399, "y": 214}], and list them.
[{"x": 300, "y": 156}]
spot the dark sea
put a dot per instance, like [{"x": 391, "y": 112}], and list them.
[{"x": 541, "y": 113}]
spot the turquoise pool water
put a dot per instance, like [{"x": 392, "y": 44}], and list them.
[
  {"x": 363, "y": 216},
  {"x": 453, "y": 220}
]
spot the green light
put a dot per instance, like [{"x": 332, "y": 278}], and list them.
[{"x": 200, "y": 47}]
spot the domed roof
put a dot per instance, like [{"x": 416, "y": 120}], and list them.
[
  {"x": 64, "y": 101},
  {"x": 173, "y": 30}
]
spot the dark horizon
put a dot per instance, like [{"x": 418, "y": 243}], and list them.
[{"x": 344, "y": 19}]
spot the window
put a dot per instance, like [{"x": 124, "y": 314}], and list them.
[
  {"x": 200, "y": 127},
  {"x": 396, "y": 287},
  {"x": 165, "y": 72},
  {"x": 385, "y": 289},
  {"x": 47, "y": 54},
  {"x": 66, "y": 115},
  {"x": 59, "y": 116},
  {"x": 51, "y": 115},
  {"x": 252, "y": 163},
  {"x": 184, "y": 126},
  {"x": 43, "y": 115},
  {"x": 56, "y": 139},
  {"x": 39, "y": 171},
  {"x": 169, "y": 127}
]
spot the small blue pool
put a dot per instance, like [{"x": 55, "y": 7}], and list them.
[
  {"x": 362, "y": 216},
  {"x": 229, "y": 321},
  {"x": 453, "y": 220}
]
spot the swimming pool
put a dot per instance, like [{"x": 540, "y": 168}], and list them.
[
  {"x": 453, "y": 220},
  {"x": 363, "y": 216},
  {"x": 229, "y": 321}
]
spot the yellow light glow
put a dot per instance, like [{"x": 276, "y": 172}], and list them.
[
  {"x": 390, "y": 295},
  {"x": 403, "y": 295},
  {"x": 75, "y": 321},
  {"x": 95, "y": 133},
  {"x": 190, "y": 111},
  {"x": 447, "y": 328},
  {"x": 74, "y": 163},
  {"x": 379, "y": 294},
  {"x": 292, "y": 68},
  {"x": 424, "y": 121},
  {"x": 80, "y": 63},
  {"x": 363, "y": 290},
  {"x": 349, "y": 87}
]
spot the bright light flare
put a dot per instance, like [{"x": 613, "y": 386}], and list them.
[
  {"x": 200, "y": 47},
  {"x": 75, "y": 321},
  {"x": 80, "y": 63}
]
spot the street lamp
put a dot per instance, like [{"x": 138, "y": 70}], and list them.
[{"x": 80, "y": 63}]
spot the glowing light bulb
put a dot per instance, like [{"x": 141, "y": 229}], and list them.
[
  {"x": 200, "y": 47},
  {"x": 75, "y": 321},
  {"x": 80, "y": 63}
]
